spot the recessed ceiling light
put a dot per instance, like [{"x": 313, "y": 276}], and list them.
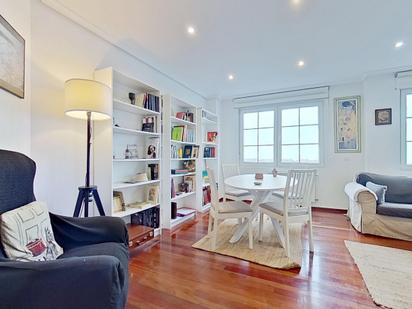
[
  {"x": 301, "y": 63},
  {"x": 399, "y": 44},
  {"x": 230, "y": 77},
  {"x": 191, "y": 30}
]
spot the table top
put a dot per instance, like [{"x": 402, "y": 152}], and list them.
[{"x": 246, "y": 182}]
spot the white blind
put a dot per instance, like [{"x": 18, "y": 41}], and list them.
[{"x": 309, "y": 94}]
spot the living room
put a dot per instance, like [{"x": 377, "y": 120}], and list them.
[{"x": 245, "y": 97}]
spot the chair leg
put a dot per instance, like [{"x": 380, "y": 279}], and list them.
[
  {"x": 214, "y": 233},
  {"x": 209, "y": 228},
  {"x": 286, "y": 233},
  {"x": 261, "y": 217},
  {"x": 250, "y": 233},
  {"x": 310, "y": 235}
]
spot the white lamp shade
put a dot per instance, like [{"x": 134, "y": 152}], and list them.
[{"x": 83, "y": 96}]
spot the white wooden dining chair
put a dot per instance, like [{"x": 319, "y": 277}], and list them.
[
  {"x": 295, "y": 206},
  {"x": 229, "y": 170},
  {"x": 220, "y": 211}
]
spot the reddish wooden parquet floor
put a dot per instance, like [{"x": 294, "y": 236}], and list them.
[{"x": 171, "y": 274}]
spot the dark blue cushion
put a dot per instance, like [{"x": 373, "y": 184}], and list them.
[
  {"x": 399, "y": 187},
  {"x": 395, "y": 210}
]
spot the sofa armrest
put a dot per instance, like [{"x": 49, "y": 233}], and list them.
[
  {"x": 353, "y": 191},
  {"x": 77, "y": 282},
  {"x": 74, "y": 232}
]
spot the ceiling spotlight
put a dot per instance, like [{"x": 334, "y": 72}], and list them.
[
  {"x": 191, "y": 30},
  {"x": 230, "y": 77},
  {"x": 399, "y": 44},
  {"x": 301, "y": 63}
]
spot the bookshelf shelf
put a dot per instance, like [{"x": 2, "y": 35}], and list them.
[
  {"x": 180, "y": 220},
  {"x": 183, "y": 174},
  {"x": 183, "y": 159},
  {"x": 131, "y": 211},
  {"x": 132, "y": 131},
  {"x": 134, "y": 109},
  {"x": 125, "y": 185},
  {"x": 210, "y": 144},
  {"x": 182, "y": 196},
  {"x": 210, "y": 158},
  {"x": 181, "y": 121},
  {"x": 136, "y": 160},
  {"x": 183, "y": 143}
]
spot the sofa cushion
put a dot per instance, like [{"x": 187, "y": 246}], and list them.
[
  {"x": 399, "y": 187},
  {"x": 27, "y": 235},
  {"x": 395, "y": 210},
  {"x": 379, "y": 191}
]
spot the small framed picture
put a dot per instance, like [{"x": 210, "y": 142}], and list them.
[{"x": 383, "y": 116}]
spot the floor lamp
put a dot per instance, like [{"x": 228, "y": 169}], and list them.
[{"x": 89, "y": 100}]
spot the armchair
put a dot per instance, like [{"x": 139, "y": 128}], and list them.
[{"x": 91, "y": 273}]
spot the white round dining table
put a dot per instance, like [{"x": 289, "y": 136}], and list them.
[{"x": 260, "y": 192}]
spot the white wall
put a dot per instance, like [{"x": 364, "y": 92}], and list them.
[
  {"x": 15, "y": 112},
  {"x": 61, "y": 50}
]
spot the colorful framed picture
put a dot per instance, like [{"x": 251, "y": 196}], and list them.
[
  {"x": 347, "y": 124},
  {"x": 383, "y": 116},
  {"x": 12, "y": 59}
]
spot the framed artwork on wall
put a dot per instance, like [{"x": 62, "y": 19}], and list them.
[
  {"x": 347, "y": 124},
  {"x": 383, "y": 116},
  {"x": 12, "y": 59}
]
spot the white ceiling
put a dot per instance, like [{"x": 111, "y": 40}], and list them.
[{"x": 258, "y": 41}]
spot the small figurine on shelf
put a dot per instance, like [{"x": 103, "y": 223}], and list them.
[
  {"x": 132, "y": 97},
  {"x": 127, "y": 154},
  {"x": 189, "y": 116}
]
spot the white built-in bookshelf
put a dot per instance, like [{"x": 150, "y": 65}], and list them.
[
  {"x": 123, "y": 164},
  {"x": 121, "y": 156},
  {"x": 209, "y": 136},
  {"x": 180, "y": 168}
]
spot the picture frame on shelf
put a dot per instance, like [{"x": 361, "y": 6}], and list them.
[
  {"x": 347, "y": 124},
  {"x": 211, "y": 137},
  {"x": 383, "y": 116},
  {"x": 118, "y": 201},
  {"x": 187, "y": 151},
  {"x": 153, "y": 194},
  {"x": 152, "y": 148}
]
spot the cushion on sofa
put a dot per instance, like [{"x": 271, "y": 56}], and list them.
[
  {"x": 27, "y": 234},
  {"x": 395, "y": 210},
  {"x": 379, "y": 191},
  {"x": 399, "y": 187}
]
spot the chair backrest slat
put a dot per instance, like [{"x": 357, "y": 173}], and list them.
[
  {"x": 213, "y": 189},
  {"x": 299, "y": 189},
  {"x": 229, "y": 170}
]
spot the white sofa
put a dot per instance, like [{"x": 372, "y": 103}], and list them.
[{"x": 393, "y": 218}]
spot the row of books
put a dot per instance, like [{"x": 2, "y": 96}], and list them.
[
  {"x": 148, "y": 101},
  {"x": 209, "y": 152},
  {"x": 149, "y": 217},
  {"x": 182, "y": 134}
]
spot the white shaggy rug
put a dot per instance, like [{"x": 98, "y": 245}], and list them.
[{"x": 387, "y": 273}]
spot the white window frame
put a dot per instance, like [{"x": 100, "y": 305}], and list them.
[
  {"x": 403, "y": 94},
  {"x": 241, "y": 131},
  {"x": 277, "y": 108}
]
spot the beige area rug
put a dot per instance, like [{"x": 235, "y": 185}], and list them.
[
  {"x": 268, "y": 252},
  {"x": 387, "y": 273}
]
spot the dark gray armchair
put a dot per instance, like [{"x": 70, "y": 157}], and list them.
[{"x": 92, "y": 272}]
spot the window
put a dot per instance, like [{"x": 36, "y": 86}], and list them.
[
  {"x": 282, "y": 134},
  {"x": 258, "y": 136},
  {"x": 406, "y": 106},
  {"x": 300, "y": 135}
]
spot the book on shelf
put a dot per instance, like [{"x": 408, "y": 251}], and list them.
[
  {"x": 209, "y": 152},
  {"x": 153, "y": 171},
  {"x": 190, "y": 151},
  {"x": 149, "y": 217},
  {"x": 182, "y": 133},
  {"x": 206, "y": 195},
  {"x": 179, "y": 171},
  {"x": 211, "y": 137},
  {"x": 148, "y": 101},
  {"x": 176, "y": 152},
  {"x": 181, "y": 115},
  {"x": 185, "y": 211}
]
